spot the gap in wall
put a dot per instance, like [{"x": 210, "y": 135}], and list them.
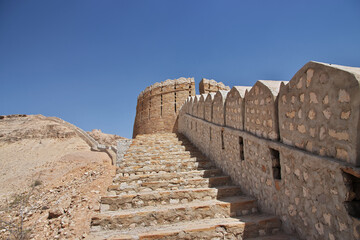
[
  {"x": 275, "y": 161},
  {"x": 352, "y": 203}
]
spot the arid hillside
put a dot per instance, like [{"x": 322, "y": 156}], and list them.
[{"x": 45, "y": 159}]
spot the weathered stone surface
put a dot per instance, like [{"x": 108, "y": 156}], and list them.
[
  {"x": 158, "y": 105},
  {"x": 208, "y": 86},
  {"x": 283, "y": 148},
  {"x": 331, "y": 102},
  {"x": 208, "y": 106},
  {"x": 235, "y": 107},
  {"x": 190, "y": 204},
  {"x": 261, "y": 116},
  {"x": 218, "y": 107}
]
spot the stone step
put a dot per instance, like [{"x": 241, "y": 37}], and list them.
[
  {"x": 156, "y": 155},
  {"x": 164, "y": 161},
  {"x": 156, "y": 148},
  {"x": 173, "y": 184},
  {"x": 165, "y": 176},
  {"x": 245, "y": 227},
  {"x": 156, "y": 145},
  {"x": 169, "y": 167},
  {"x": 278, "y": 236},
  {"x": 167, "y": 214},
  {"x": 154, "y": 198},
  {"x": 221, "y": 190}
]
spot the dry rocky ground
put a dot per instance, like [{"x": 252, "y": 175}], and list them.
[{"x": 50, "y": 173}]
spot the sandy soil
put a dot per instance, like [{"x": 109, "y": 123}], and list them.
[{"x": 70, "y": 178}]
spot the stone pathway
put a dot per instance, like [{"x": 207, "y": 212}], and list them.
[{"x": 167, "y": 189}]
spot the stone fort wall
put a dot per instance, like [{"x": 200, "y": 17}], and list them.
[
  {"x": 159, "y": 104},
  {"x": 210, "y": 85},
  {"x": 295, "y": 146}
]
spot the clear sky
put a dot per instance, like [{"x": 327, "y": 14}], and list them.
[{"x": 87, "y": 61}]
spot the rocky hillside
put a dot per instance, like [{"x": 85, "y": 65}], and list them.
[
  {"x": 50, "y": 177},
  {"x": 104, "y": 138}
]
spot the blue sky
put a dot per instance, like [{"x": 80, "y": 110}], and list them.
[{"x": 86, "y": 61}]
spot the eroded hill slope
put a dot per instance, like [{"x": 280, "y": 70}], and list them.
[{"x": 69, "y": 177}]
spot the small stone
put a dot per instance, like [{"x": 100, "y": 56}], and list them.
[
  {"x": 290, "y": 114},
  {"x": 306, "y": 176},
  {"x": 268, "y": 182},
  {"x": 344, "y": 96},
  {"x": 309, "y": 75},
  {"x": 342, "y": 154},
  {"x": 326, "y": 100},
  {"x": 302, "y": 97},
  {"x": 311, "y": 114},
  {"x": 322, "y": 133},
  {"x": 313, "y": 98},
  {"x": 287, "y": 169},
  {"x": 299, "y": 84},
  {"x": 292, "y": 210},
  {"x": 301, "y": 128},
  {"x": 342, "y": 226},
  {"x": 312, "y": 132},
  {"x": 55, "y": 212},
  {"x": 345, "y": 115},
  {"x": 327, "y": 218},
  {"x": 327, "y": 113},
  {"x": 331, "y": 237},
  {"x": 343, "y": 135}
]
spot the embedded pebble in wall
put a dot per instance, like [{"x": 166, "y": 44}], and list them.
[
  {"x": 332, "y": 91},
  {"x": 311, "y": 186},
  {"x": 264, "y": 91}
]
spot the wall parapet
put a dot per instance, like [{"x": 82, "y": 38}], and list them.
[
  {"x": 210, "y": 85},
  {"x": 296, "y": 149}
]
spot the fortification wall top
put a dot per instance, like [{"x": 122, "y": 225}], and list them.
[
  {"x": 319, "y": 111},
  {"x": 206, "y": 86},
  {"x": 208, "y": 106},
  {"x": 261, "y": 115},
  {"x": 195, "y": 105},
  {"x": 201, "y": 106},
  {"x": 218, "y": 109},
  {"x": 234, "y": 107},
  {"x": 299, "y": 150}
]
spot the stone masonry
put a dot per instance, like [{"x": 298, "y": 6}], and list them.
[
  {"x": 260, "y": 162},
  {"x": 166, "y": 189},
  {"x": 208, "y": 86},
  {"x": 299, "y": 151},
  {"x": 160, "y": 104}
]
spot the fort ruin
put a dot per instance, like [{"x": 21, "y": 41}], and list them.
[{"x": 294, "y": 146}]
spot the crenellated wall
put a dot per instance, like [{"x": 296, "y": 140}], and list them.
[
  {"x": 158, "y": 105},
  {"x": 261, "y": 110},
  {"x": 235, "y": 107},
  {"x": 207, "y": 86},
  {"x": 319, "y": 111},
  {"x": 295, "y": 146}
]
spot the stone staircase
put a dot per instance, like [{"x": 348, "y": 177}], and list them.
[{"x": 166, "y": 189}]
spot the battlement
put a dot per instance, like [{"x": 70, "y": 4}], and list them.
[
  {"x": 159, "y": 104},
  {"x": 210, "y": 85},
  {"x": 295, "y": 146}
]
